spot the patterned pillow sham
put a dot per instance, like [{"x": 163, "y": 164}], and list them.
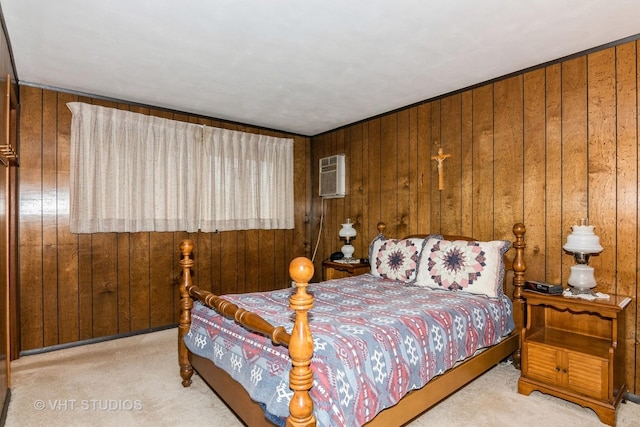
[
  {"x": 377, "y": 242},
  {"x": 374, "y": 247},
  {"x": 460, "y": 265},
  {"x": 398, "y": 259}
]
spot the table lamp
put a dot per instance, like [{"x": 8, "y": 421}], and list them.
[
  {"x": 582, "y": 243},
  {"x": 347, "y": 232}
]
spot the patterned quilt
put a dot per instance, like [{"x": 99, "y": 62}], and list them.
[{"x": 374, "y": 341}]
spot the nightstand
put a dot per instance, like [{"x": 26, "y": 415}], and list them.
[
  {"x": 574, "y": 349},
  {"x": 337, "y": 270}
]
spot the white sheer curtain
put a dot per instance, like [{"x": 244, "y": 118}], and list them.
[
  {"x": 131, "y": 172},
  {"x": 246, "y": 181}
]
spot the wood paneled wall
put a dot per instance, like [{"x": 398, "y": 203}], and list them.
[
  {"x": 544, "y": 147},
  {"x": 76, "y": 287},
  {"x": 8, "y": 226}
]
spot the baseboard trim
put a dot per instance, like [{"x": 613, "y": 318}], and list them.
[
  {"x": 94, "y": 340},
  {"x": 632, "y": 397},
  {"x": 5, "y": 408}
]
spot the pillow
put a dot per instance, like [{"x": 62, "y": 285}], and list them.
[
  {"x": 398, "y": 259},
  {"x": 376, "y": 243},
  {"x": 374, "y": 247},
  {"x": 460, "y": 265}
]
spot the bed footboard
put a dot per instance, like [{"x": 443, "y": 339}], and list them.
[{"x": 300, "y": 342}]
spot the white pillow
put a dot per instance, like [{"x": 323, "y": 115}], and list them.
[{"x": 460, "y": 265}]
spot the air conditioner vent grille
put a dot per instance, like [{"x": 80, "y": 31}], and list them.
[{"x": 332, "y": 182}]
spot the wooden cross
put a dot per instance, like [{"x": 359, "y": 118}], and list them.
[{"x": 440, "y": 158}]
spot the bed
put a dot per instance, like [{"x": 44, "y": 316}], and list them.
[{"x": 291, "y": 356}]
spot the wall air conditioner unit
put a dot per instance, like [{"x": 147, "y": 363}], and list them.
[{"x": 332, "y": 177}]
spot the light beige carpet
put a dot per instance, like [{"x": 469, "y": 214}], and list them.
[{"x": 135, "y": 381}]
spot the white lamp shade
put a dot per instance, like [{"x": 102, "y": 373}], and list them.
[
  {"x": 583, "y": 240},
  {"x": 347, "y": 231}
]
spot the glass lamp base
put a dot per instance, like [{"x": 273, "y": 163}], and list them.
[
  {"x": 582, "y": 278},
  {"x": 347, "y": 250}
]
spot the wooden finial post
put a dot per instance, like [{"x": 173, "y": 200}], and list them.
[
  {"x": 301, "y": 347},
  {"x": 519, "y": 268},
  {"x": 440, "y": 159},
  {"x": 186, "y": 303}
]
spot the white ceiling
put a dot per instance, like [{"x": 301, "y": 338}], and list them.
[{"x": 303, "y": 66}]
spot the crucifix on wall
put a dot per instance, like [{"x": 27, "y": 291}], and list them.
[{"x": 440, "y": 159}]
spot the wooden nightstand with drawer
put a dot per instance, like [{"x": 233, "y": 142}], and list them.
[
  {"x": 337, "y": 270},
  {"x": 574, "y": 349}
]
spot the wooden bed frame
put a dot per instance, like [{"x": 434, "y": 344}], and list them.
[{"x": 300, "y": 346}]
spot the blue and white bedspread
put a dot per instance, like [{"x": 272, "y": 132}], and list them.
[{"x": 374, "y": 341}]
